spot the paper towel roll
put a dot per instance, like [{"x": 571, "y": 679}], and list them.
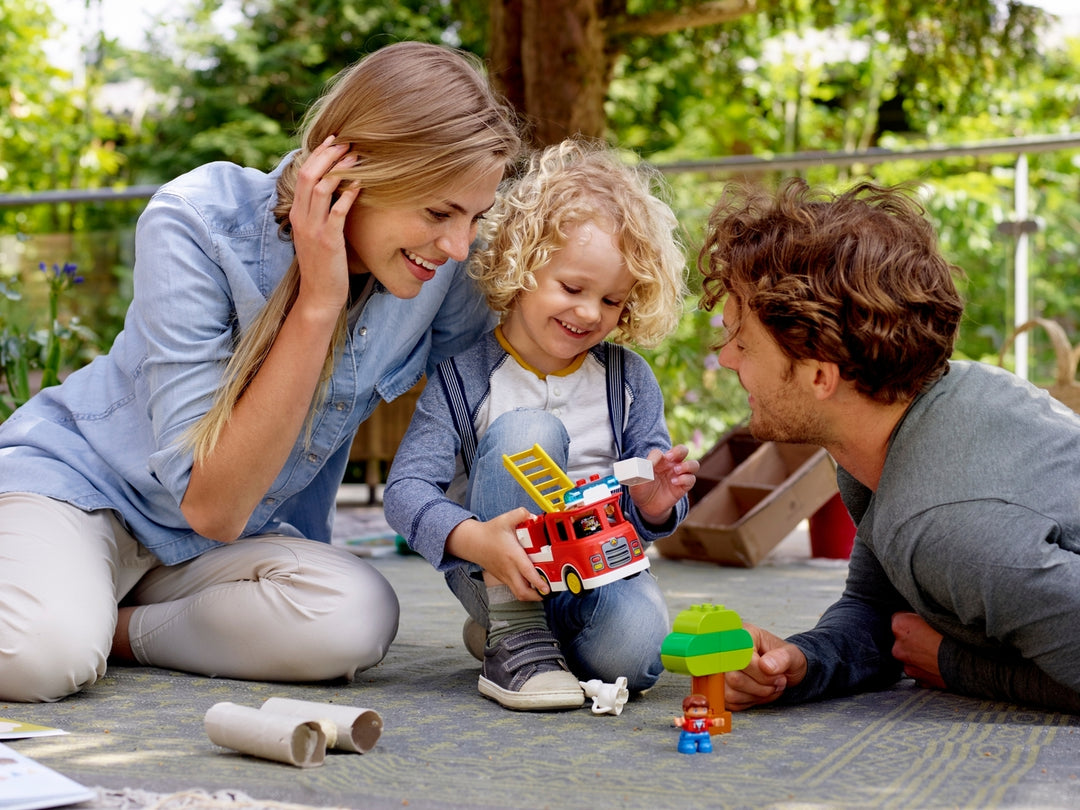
[
  {"x": 347, "y": 728},
  {"x": 280, "y": 737}
]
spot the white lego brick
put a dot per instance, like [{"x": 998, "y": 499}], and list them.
[{"x": 631, "y": 471}]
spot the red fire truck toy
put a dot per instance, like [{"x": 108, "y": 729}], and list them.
[{"x": 581, "y": 540}]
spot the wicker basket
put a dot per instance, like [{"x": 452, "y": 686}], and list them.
[{"x": 1065, "y": 388}]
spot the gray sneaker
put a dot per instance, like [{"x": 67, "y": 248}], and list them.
[{"x": 526, "y": 671}]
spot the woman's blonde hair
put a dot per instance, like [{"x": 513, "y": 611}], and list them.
[
  {"x": 567, "y": 185},
  {"x": 420, "y": 117}
]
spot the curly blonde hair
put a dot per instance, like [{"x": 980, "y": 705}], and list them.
[
  {"x": 569, "y": 184},
  {"x": 421, "y": 117}
]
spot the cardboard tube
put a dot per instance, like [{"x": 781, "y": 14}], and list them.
[
  {"x": 347, "y": 727},
  {"x": 281, "y": 738}
]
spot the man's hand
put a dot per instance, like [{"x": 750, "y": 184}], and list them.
[
  {"x": 916, "y": 647},
  {"x": 775, "y": 665}
]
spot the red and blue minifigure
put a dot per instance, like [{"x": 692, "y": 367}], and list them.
[{"x": 695, "y": 724}]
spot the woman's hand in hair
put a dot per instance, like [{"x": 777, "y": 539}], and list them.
[{"x": 320, "y": 204}]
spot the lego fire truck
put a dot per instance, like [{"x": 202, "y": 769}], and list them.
[{"x": 581, "y": 540}]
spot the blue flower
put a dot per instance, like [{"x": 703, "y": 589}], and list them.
[{"x": 62, "y": 276}]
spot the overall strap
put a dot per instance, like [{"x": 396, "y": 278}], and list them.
[
  {"x": 616, "y": 397},
  {"x": 459, "y": 410}
]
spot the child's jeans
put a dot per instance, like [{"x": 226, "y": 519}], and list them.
[{"x": 606, "y": 632}]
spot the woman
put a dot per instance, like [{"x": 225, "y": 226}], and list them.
[{"x": 186, "y": 473}]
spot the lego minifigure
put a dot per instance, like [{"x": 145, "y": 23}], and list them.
[{"x": 695, "y": 724}]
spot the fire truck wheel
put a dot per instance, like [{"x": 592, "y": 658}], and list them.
[
  {"x": 573, "y": 582},
  {"x": 544, "y": 577}
]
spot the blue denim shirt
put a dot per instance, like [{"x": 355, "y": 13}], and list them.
[{"x": 208, "y": 255}]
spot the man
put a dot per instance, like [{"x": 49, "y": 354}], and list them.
[{"x": 963, "y": 480}]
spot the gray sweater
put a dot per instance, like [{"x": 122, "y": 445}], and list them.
[{"x": 975, "y": 526}]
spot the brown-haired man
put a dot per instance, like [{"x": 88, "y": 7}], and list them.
[{"x": 840, "y": 315}]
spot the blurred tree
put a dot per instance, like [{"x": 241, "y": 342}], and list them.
[
  {"x": 556, "y": 59},
  {"x": 664, "y": 79},
  {"x": 51, "y": 135},
  {"x": 241, "y": 96}
]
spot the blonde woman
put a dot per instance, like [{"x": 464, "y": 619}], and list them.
[
  {"x": 190, "y": 472},
  {"x": 582, "y": 255}
]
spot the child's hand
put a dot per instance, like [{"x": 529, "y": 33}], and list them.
[
  {"x": 493, "y": 545},
  {"x": 673, "y": 476}
]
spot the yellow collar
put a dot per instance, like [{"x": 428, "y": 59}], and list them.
[{"x": 575, "y": 364}]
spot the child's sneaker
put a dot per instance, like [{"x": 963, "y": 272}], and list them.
[{"x": 526, "y": 671}]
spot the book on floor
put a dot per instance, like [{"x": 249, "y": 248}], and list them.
[
  {"x": 18, "y": 730},
  {"x": 26, "y": 784}
]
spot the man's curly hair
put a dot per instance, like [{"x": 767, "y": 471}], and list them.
[
  {"x": 854, "y": 278},
  {"x": 570, "y": 184}
]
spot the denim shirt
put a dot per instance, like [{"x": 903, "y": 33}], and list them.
[{"x": 208, "y": 256}]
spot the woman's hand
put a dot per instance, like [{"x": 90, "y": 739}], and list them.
[
  {"x": 673, "y": 476},
  {"x": 321, "y": 202}
]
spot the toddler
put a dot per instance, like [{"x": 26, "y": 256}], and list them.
[{"x": 580, "y": 256}]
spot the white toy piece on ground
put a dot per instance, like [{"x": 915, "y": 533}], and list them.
[{"x": 607, "y": 698}]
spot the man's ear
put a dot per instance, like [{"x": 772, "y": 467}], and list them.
[{"x": 826, "y": 379}]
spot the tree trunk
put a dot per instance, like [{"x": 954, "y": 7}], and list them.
[
  {"x": 550, "y": 59},
  {"x": 553, "y": 59}
]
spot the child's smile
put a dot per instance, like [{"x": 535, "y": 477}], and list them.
[{"x": 579, "y": 297}]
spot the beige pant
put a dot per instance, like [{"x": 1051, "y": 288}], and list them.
[{"x": 263, "y": 608}]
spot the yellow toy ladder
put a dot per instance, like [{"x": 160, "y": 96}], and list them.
[{"x": 541, "y": 477}]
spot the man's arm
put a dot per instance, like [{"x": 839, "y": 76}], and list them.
[
  {"x": 850, "y": 648},
  {"x": 970, "y": 671},
  {"x": 1004, "y": 594},
  {"x": 943, "y": 663}
]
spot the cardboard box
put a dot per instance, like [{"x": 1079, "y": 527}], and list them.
[
  {"x": 731, "y": 450},
  {"x": 744, "y": 516}
]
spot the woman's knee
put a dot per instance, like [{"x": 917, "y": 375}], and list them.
[
  {"x": 356, "y": 630},
  {"x": 55, "y": 657}
]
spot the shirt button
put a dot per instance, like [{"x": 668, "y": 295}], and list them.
[
  {"x": 314, "y": 459},
  {"x": 339, "y": 406},
  {"x": 269, "y": 501},
  {"x": 556, "y": 392},
  {"x": 555, "y": 412},
  {"x": 363, "y": 331}
]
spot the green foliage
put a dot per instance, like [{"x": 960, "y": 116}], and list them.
[
  {"x": 25, "y": 349},
  {"x": 701, "y": 399},
  {"x": 245, "y": 95},
  {"x": 51, "y": 136},
  {"x": 799, "y": 75},
  {"x": 842, "y": 75}
]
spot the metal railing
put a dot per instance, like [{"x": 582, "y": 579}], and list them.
[{"x": 1019, "y": 227}]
